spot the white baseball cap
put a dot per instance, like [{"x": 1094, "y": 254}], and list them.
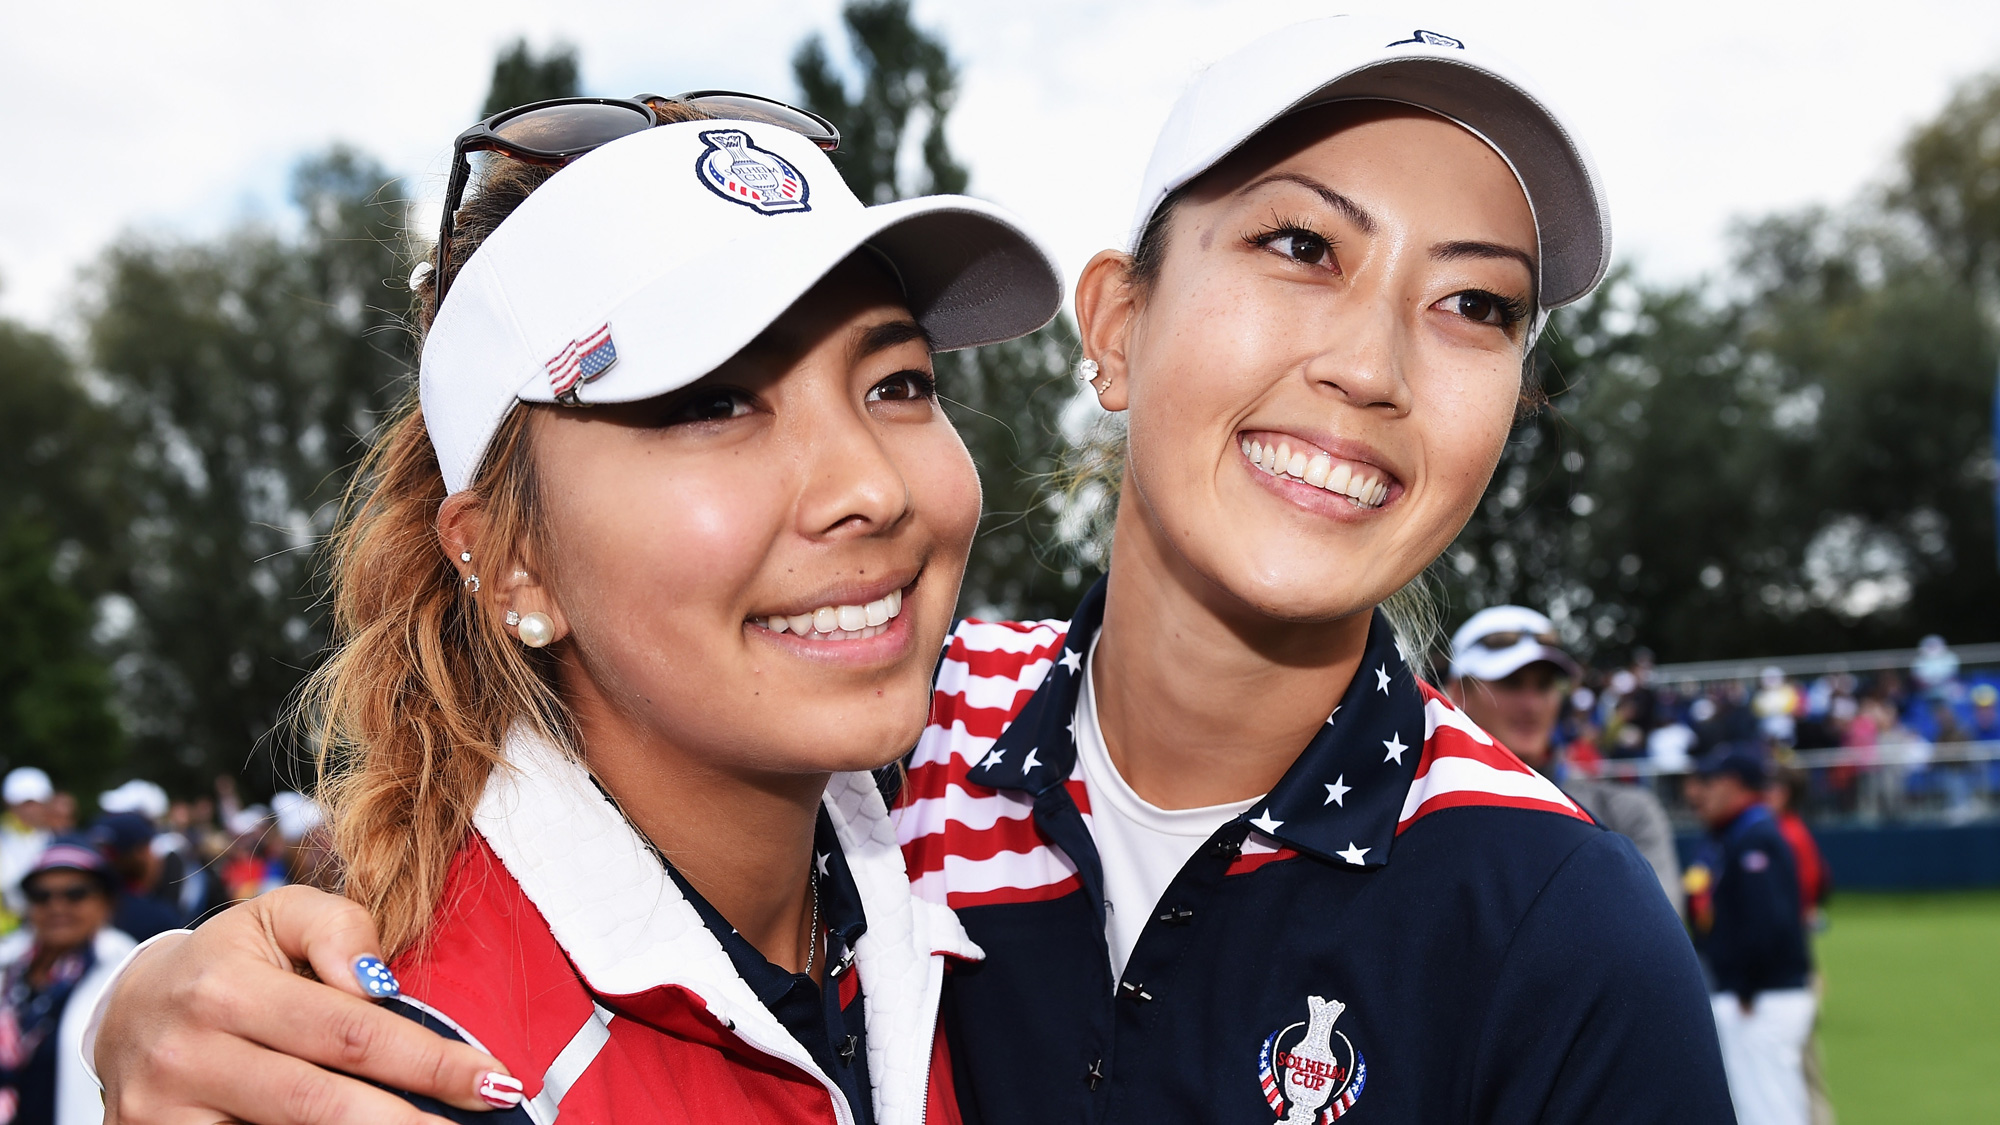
[
  {"x": 1355, "y": 57},
  {"x": 649, "y": 262},
  {"x": 1500, "y": 640},
  {"x": 27, "y": 784}
]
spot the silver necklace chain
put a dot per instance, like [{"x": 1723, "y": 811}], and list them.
[{"x": 812, "y": 948}]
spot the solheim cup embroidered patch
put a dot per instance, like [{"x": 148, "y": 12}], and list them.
[
  {"x": 1311, "y": 1073},
  {"x": 740, "y": 172},
  {"x": 582, "y": 361}
]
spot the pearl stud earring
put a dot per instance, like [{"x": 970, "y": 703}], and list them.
[{"x": 536, "y": 630}]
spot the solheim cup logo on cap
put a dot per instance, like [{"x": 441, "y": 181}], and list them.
[
  {"x": 1311, "y": 1073},
  {"x": 1428, "y": 39},
  {"x": 581, "y": 361},
  {"x": 758, "y": 178}
]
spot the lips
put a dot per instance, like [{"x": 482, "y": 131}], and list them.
[{"x": 1284, "y": 455}]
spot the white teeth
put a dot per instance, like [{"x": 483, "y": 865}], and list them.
[
  {"x": 840, "y": 622},
  {"x": 1319, "y": 470},
  {"x": 1316, "y": 470}
]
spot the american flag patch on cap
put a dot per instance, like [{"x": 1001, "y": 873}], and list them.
[{"x": 582, "y": 361}]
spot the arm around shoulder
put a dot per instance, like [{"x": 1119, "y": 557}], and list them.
[{"x": 1600, "y": 1014}]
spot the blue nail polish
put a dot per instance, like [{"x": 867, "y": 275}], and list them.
[{"x": 376, "y": 979}]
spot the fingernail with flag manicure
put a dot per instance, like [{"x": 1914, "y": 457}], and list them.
[
  {"x": 376, "y": 979},
  {"x": 501, "y": 1091}
]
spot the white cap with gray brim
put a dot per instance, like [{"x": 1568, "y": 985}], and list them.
[{"x": 1354, "y": 57}]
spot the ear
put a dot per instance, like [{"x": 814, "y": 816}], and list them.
[
  {"x": 508, "y": 579},
  {"x": 1106, "y": 308}
]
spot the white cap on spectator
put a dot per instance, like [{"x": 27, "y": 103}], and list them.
[
  {"x": 649, "y": 262},
  {"x": 27, "y": 784},
  {"x": 297, "y": 815},
  {"x": 139, "y": 796},
  {"x": 1343, "y": 58},
  {"x": 245, "y": 821},
  {"x": 1499, "y": 641}
]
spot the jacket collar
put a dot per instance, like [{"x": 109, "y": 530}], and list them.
[
  {"x": 628, "y": 930},
  {"x": 1341, "y": 799}
]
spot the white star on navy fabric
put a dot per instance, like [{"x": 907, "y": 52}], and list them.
[
  {"x": 1394, "y": 745},
  {"x": 992, "y": 759},
  {"x": 1265, "y": 824},
  {"x": 1382, "y": 679},
  {"x": 1072, "y": 660},
  {"x": 1353, "y": 854},
  {"x": 1032, "y": 761},
  {"x": 1336, "y": 794},
  {"x": 821, "y": 860}
]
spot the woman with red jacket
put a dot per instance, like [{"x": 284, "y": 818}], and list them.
[{"x": 629, "y": 604}]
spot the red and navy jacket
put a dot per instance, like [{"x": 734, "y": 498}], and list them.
[
  {"x": 1413, "y": 926},
  {"x": 564, "y": 948},
  {"x": 1752, "y": 935}
]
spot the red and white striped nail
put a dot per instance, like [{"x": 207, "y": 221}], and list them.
[{"x": 501, "y": 1091}]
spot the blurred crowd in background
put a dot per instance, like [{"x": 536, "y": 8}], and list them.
[
  {"x": 1893, "y": 742},
  {"x": 173, "y": 860}
]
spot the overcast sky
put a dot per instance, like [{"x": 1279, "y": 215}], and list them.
[{"x": 177, "y": 120}]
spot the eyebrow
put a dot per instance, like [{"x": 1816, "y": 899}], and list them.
[
  {"x": 1354, "y": 211},
  {"x": 1459, "y": 251},
  {"x": 882, "y": 337}
]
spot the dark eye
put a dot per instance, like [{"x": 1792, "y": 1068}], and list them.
[
  {"x": 710, "y": 404},
  {"x": 904, "y": 386},
  {"x": 1482, "y": 307},
  {"x": 1302, "y": 246}
]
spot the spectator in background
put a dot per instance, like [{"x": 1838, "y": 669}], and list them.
[
  {"x": 1785, "y": 794},
  {"x": 1776, "y": 705},
  {"x": 24, "y": 832},
  {"x": 126, "y": 839},
  {"x": 52, "y": 975},
  {"x": 1750, "y": 931},
  {"x": 1935, "y": 669},
  {"x": 1509, "y": 675},
  {"x": 254, "y": 862},
  {"x": 309, "y": 857},
  {"x": 1985, "y": 713}
]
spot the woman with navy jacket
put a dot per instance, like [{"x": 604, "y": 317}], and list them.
[{"x": 1227, "y": 856}]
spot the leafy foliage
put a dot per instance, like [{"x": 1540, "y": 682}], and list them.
[
  {"x": 249, "y": 374},
  {"x": 520, "y": 77},
  {"x": 56, "y": 537}
]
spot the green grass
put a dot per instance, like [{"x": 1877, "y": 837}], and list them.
[{"x": 1910, "y": 1028}]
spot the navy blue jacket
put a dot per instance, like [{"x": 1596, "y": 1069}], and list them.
[
  {"x": 1413, "y": 927},
  {"x": 1757, "y": 939}
]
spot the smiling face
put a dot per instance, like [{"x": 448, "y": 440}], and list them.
[
  {"x": 759, "y": 570},
  {"x": 1325, "y": 366}
]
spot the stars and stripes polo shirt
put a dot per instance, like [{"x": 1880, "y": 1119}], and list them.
[{"x": 1412, "y": 927}]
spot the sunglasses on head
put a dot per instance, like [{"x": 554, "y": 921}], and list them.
[
  {"x": 555, "y": 132},
  {"x": 42, "y": 896},
  {"x": 1499, "y": 641}
]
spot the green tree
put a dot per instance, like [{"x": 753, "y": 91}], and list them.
[
  {"x": 250, "y": 373},
  {"x": 1006, "y": 399},
  {"x": 1806, "y": 465},
  {"x": 520, "y": 77},
  {"x": 57, "y": 522}
]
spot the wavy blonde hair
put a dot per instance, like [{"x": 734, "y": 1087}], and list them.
[{"x": 412, "y": 707}]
